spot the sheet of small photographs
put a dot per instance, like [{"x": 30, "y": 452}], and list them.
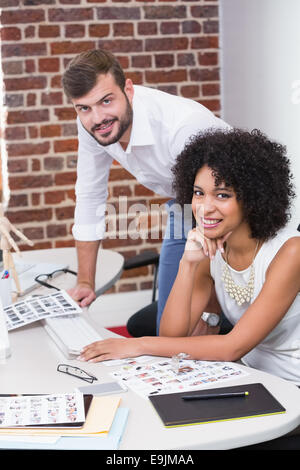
[
  {"x": 34, "y": 410},
  {"x": 162, "y": 377},
  {"x": 38, "y": 308}
]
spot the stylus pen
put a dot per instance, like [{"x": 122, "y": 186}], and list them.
[{"x": 215, "y": 395}]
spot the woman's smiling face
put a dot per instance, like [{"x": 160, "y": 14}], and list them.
[{"x": 216, "y": 208}]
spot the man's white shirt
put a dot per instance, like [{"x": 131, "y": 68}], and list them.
[{"x": 162, "y": 125}]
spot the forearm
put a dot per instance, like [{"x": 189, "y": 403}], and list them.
[
  {"x": 176, "y": 318},
  {"x": 206, "y": 348},
  {"x": 87, "y": 252}
]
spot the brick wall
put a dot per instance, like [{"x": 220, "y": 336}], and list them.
[{"x": 171, "y": 45}]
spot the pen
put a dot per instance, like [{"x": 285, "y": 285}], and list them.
[{"x": 215, "y": 395}]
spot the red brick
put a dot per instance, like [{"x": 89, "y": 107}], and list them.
[
  {"x": 204, "y": 75},
  {"x": 65, "y": 178},
  {"x": 118, "y": 13},
  {"x": 35, "y": 164},
  {"x": 70, "y": 14},
  {"x": 141, "y": 61},
  {"x": 22, "y": 50},
  {"x": 33, "y": 233},
  {"x": 168, "y": 44},
  {"x": 208, "y": 58},
  {"x": 165, "y": 12},
  {"x": 22, "y": 16},
  {"x": 54, "y": 197},
  {"x": 48, "y": 65},
  {"x": 211, "y": 89},
  {"x": 29, "y": 32},
  {"x": 35, "y": 215},
  {"x": 70, "y": 47},
  {"x": 75, "y": 30},
  {"x": 164, "y": 60},
  {"x": 121, "y": 45},
  {"x": 123, "y": 29},
  {"x": 170, "y": 27},
  {"x": 63, "y": 213},
  {"x": 52, "y": 98},
  {"x": 15, "y": 133},
  {"x": 51, "y": 130},
  {"x": 98, "y": 30},
  {"x": 55, "y": 231},
  {"x": 27, "y": 182},
  {"x": 31, "y": 99},
  {"x": 53, "y": 163},
  {"x": 166, "y": 76},
  {"x": 17, "y": 166},
  {"x": 10, "y": 34},
  {"x": 205, "y": 42},
  {"x": 68, "y": 145},
  {"x": 147, "y": 28},
  {"x": 16, "y": 150},
  {"x": 190, "y": 91},
  {"x": 49, "y": 31},
  {"x": 18, "y": 200},
  {"x": 25, "y": 83}
]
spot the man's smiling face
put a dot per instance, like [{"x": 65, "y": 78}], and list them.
[{"x": 106, "y": 111}]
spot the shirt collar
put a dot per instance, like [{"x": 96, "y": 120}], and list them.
[{"x": 141, "y": 132}]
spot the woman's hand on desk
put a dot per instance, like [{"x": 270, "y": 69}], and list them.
[
  {"x": 83, "y": 294},
  {"x": 112, "y": 348}
]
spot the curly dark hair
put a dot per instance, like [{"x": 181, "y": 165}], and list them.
[{"x": 256, "y": 168}]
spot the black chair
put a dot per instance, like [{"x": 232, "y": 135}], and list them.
[{"x": 143, "y": 322}]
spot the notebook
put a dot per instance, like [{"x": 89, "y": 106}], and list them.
[{"x": 174, "y": 411}]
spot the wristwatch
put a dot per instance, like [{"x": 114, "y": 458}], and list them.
[{"x": 212, "y": 319}]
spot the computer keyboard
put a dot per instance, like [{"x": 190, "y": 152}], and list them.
[{"x": 71, "y": 333}]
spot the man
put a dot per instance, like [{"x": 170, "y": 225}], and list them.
[{"x": 141, "y": 128}]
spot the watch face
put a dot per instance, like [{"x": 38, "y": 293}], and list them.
[{"x": 213, "y": 319}]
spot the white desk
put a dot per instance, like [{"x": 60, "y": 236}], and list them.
[
  {"x": 108, "y": 270},
  {"x": 32, "y": 369}
]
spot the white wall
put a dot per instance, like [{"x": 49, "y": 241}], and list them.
[{"x": 260, "y": 67}]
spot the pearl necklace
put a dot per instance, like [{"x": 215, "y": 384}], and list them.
[{"x": 240, "y": 294}]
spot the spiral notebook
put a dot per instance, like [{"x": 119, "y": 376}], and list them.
[{"x": 174, "y": 411}]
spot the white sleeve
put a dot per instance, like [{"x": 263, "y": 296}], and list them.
[{"x": 93, "y": 167}]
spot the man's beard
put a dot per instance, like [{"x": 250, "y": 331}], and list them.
[{"x": 125, "y": 122}]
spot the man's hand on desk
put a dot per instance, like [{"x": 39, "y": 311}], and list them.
[
  {"x": 112, "y": 348},
  {"x": 83, "y": 293}
]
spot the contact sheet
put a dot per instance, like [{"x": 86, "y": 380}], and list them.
[{"x": 38, "y": 308}]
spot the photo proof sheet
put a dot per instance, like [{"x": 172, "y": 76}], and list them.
[
  {"x": 34, "y": 410},
  {"x": 163, "y": 377},
  {"x": 40, "y": 307}
]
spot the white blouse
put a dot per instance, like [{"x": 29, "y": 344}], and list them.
[{"x": 279, "y": 352}]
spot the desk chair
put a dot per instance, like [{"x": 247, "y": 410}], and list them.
[{"x": 143, "y": 322}]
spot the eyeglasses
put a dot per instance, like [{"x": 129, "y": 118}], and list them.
[
  {"x": 76, "y": 372},
  {"x": 42, "y": 278}
]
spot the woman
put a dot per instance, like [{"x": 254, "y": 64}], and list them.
[{"x": 239, "y": 185}]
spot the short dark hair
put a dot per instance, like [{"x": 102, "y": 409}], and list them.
[
  {"x": 256, "y": 168},
  {"x": 82, "y": 72}
]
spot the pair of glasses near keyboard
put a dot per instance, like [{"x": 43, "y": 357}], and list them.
[
  {"x": 43, "y": 278},
  {"x": 76, "y": 372}
]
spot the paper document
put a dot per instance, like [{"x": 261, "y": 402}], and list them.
[
  {"x": 38, "y": 308},
  {"x": 98, "y": 421},
  {"x": 37, "y": 410},
  {"x": 161, "y": 377}
]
